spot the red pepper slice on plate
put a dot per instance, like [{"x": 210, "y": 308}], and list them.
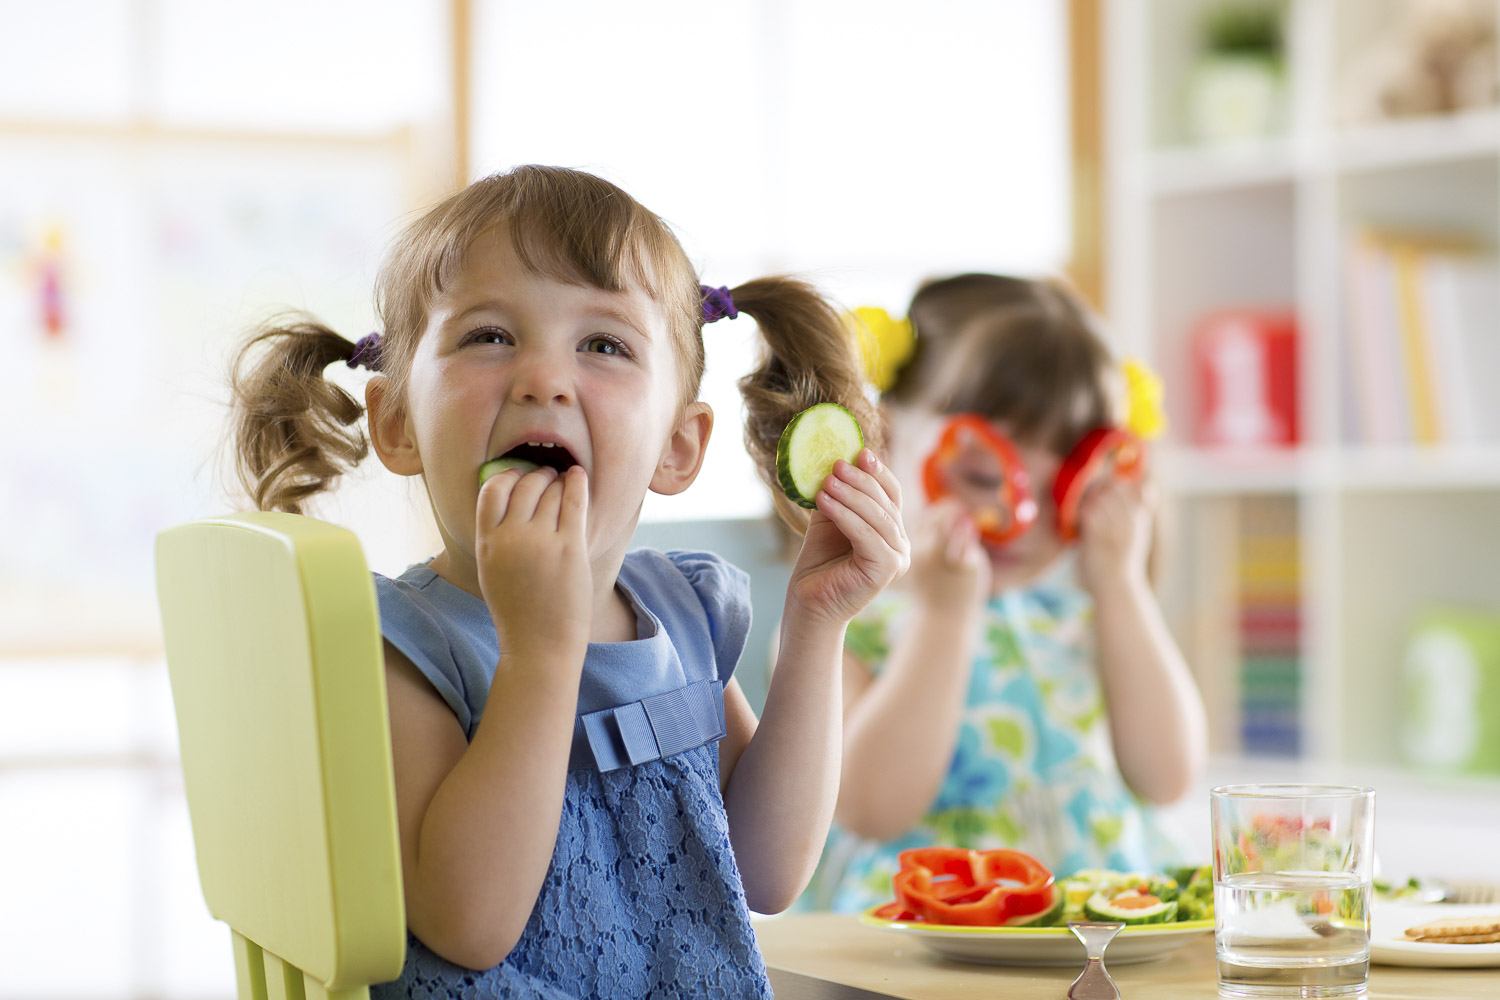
[
  {"x": 1103, "y": 451},
  {"x": 1015, "y": 509},
  {"x": 951, "y": 885}
]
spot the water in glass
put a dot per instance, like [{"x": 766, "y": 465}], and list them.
[{"x": 1292, "y": 933}]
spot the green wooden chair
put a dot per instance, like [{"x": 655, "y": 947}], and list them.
[{"x": 273, "y": 646}]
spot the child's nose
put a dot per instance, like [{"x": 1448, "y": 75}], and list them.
[{"x": 540, "y": 377}]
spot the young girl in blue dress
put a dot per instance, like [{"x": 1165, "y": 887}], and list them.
[
  {"x": 588, "y": 806},
  {"x": 1024, "y": 694}
]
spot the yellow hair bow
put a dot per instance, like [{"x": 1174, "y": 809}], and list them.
[
  {"x": 885, "y": 344},
  {"x": 1143, "y": 393}
]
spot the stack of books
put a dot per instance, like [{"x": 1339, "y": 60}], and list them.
[
  {"x": 1422, "y": 344},
  {"x": 1270, "y": 628}
]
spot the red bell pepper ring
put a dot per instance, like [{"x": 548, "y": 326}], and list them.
[
  {"x": 1015, "y": 510},
  {"x": 950, "y": 885},
  {"x": 895, "y": 911},
  {"x": 1103, "y": 451}
]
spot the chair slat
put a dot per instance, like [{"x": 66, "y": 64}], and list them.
[{"x": 249, "y": 968}]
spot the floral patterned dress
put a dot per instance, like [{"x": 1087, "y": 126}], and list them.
[{"x": 1033, "y": 768}]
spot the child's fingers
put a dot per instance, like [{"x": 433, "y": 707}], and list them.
[
  {"x": 494, "y": 498},
  {"x": 880, "y": 558},
  {"x": 549, "y": 505},
  {"x": 935, "y": 524},
  {"x": 857, "y": 529},
  {"x": 963, "y": 539},
  {"x": 525, "y": 494},
  {"x": 861, "y": 492},
  {"x": 1146, "y": 494},
  {"x": 1102, "y": 495},
  {"x": 573, "y": 515},
  {"x": 872, "y": 464}
]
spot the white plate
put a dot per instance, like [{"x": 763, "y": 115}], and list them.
[
  {"x": 1390, "y": 946},
  {"x": 1041, "y": 945}
]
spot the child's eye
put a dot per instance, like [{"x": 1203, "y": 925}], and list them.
[
  {"x": 983, "y": 481},
  {"x": 489, "y": 335},
  {"x": 603, "y": 343}
]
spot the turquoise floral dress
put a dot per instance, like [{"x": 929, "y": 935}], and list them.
[{"x": 1033, "y": 769}]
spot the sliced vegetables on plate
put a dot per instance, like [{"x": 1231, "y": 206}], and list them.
[
  {"x": 1003, "y": 907},
  {"x": 1002, "y": 888}
]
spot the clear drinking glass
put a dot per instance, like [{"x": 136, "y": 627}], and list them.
[{"x": 1292, "y": 875}]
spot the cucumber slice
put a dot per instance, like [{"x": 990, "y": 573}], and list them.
[
  {"x": 1131, "y": 907},
  {"x": 814, "y": 439},
  {"x": 498, "y": 465}
]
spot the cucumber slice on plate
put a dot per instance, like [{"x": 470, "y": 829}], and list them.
[
  {"x": 497, "y": 465},
  {"x": 814, "y": 439},
  {"x": 1131, "y": 907}
]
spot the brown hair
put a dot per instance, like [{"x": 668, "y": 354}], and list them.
[
  {"x": 1021, "y": 351},
  {"x": 295, "y": 432}
]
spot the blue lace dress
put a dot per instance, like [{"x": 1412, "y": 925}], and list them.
[{"x": 642, "y": 897}]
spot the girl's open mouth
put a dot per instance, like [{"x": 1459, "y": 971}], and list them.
[{"x": 554, "y": 455}]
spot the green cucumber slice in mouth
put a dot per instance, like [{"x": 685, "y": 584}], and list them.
[
  {"x": 495, "y": 466},
  {"x": 813, "y": 440}
]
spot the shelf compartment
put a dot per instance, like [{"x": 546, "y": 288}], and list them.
[
  {"x": 1466, "y": 135},
  {"x": 1186, "y": 471},
  {"x": 1190, "y": 170},
  {"x": 1401, "y": 553},
  {"x": 1409, "y": 469},
  {"x": 1206, "y": 472}
]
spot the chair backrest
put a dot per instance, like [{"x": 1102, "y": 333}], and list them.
[{"x": 273, "y": 646}]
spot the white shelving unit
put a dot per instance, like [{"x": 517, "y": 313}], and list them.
[{"x": 1381, "y": 532}]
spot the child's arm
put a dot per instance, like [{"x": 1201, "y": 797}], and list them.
[
  {"x": 900, "y": 727},
  {"x": 781, "y": 786},
  {"x": 1156, "y": 714},
  {"x": 478, "y": 820}
]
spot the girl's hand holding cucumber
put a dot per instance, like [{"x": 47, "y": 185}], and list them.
[
  {"x": 524, "y": 521},
  {"x": 855, "y": 544}
]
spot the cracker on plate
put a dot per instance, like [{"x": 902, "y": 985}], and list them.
[
  {"x": 1462, "y": 939},
  {"x": 1458, "y": 930}
]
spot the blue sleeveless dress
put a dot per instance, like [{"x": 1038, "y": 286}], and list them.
[{"x": 642, "y": 897}]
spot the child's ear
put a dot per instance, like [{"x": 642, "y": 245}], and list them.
[
  {"x": 683, "y": 456},
  {"x": 390, "y": 431}
]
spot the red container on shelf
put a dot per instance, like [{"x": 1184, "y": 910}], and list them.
[{"x": 1245, "y": 370}]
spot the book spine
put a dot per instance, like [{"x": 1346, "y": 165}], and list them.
[
  {"x": 1269, "y": 628},
  {"x": 1416, "y": 350},
  {"x": 1450, "y": 366}
]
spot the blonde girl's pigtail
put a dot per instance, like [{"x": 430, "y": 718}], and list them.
[
  {"x": 295, "y": 432},
  {"x": 809, "y": 357}
]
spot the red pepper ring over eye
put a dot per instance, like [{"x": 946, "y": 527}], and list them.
[
  {"x": 1015, "y": 510},
  {"x": 1103, "y": 451},
  {"x": 950, "y": 885}
]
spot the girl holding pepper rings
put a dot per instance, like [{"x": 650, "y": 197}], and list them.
[{"x": 1019, "y": 688}]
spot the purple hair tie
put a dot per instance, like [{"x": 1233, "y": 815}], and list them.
[
  {"x": 366, "y": 352},
  {"x": 717, "y": 303}
]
